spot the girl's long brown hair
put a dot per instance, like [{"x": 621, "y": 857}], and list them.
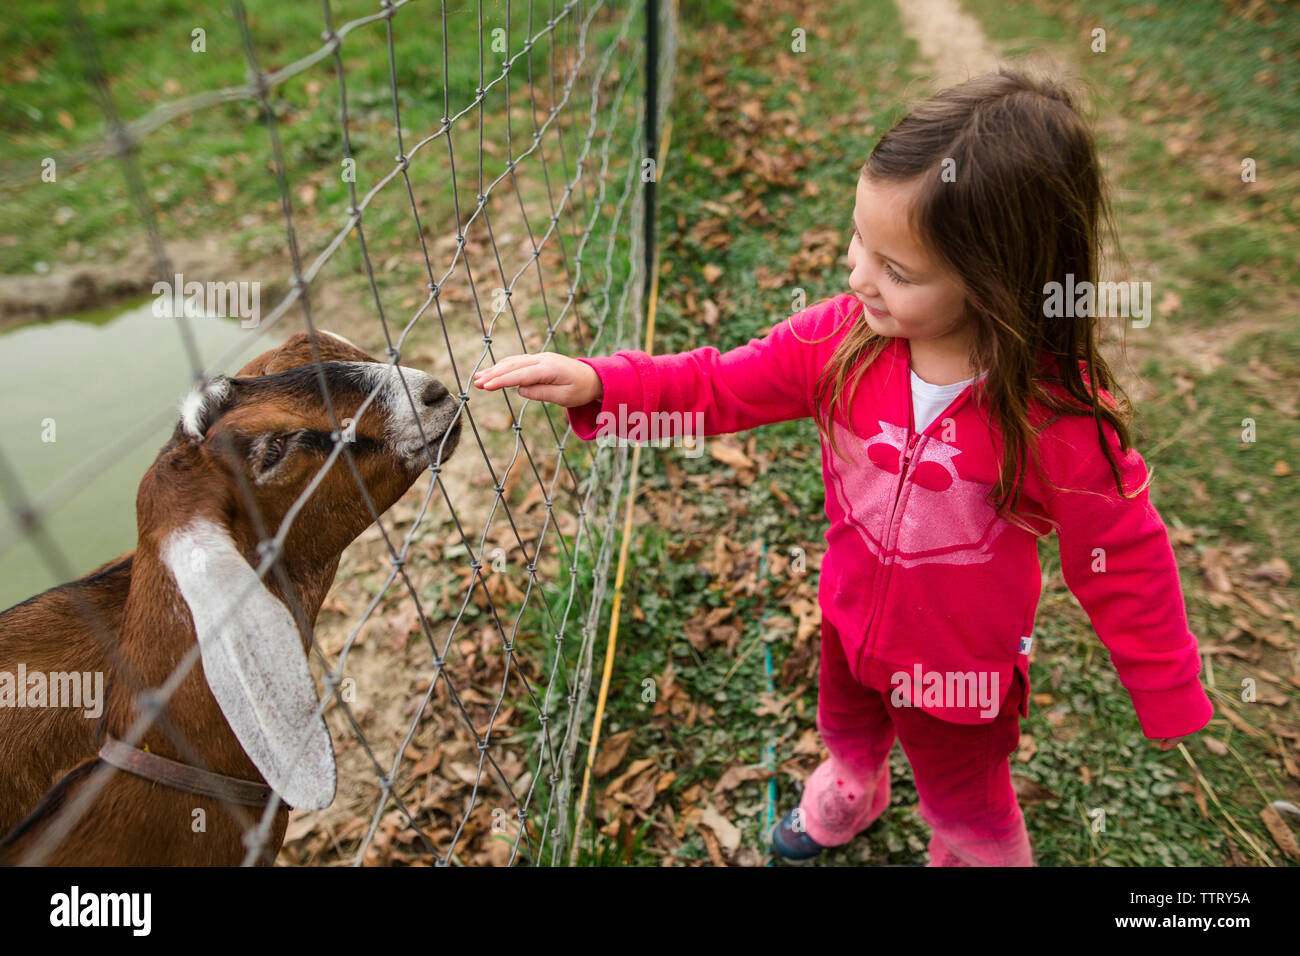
[{"x": 1027, "y": 207}]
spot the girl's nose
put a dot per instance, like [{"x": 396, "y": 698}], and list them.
[{"x": 862, "y": 281}]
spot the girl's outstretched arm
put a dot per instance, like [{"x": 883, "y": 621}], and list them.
[{"x": 766, "y": 380}]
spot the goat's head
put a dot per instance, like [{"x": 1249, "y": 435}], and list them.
[
  {"x": 247, "y": 448},
  {"x": 266, "y": 432}
]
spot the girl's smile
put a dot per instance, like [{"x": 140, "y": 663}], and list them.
[{"x": 878, "y": 313}]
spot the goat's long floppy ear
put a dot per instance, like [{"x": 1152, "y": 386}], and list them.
[{"x": 254, "y": 665}]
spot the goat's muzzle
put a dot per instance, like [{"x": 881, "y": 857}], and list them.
[{"x": 420, "y": 410}]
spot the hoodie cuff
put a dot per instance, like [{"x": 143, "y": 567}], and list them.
[
  {"x": 1174, "y": 712},
  {"x": 621, "y": 379}
]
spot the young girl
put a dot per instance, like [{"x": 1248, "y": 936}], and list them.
[{"x": 962, "y": 417}]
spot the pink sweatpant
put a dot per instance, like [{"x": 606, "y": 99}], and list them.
[{"x": 962, "y": 774}]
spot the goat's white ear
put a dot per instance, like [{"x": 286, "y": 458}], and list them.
[{"x": 254, "y": 665}]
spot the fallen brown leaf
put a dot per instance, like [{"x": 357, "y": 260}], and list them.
[
  {"x": 1028, "y": 747},
  {"x": 730, "y": 453},
  {"x": 1031, "y": 791},
  {"x": 1198, "y": 794},
  {"x": 769, "y": 705},
  {"x": 612, "y": 752},
  {"x": 1276, "y": 570},
  {"x": 1280, "y": 832},
  {"x": 711, "y": 845},
  {"x": 1214, "y": 564},
  {"x": 1239, "y": 722},
  {"x": 636, "y": 767},
  {"x": 1215, "y": 746},
  {"x": 727, "y": 834},
  {"x": 733, "y": 777}
]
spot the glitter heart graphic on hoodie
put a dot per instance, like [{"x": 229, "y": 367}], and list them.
[{"x": 944, "y": 519}]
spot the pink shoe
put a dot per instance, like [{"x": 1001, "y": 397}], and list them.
[{"x": 837, "y": 807}]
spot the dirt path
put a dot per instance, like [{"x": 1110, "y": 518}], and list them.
[{"x": 951, "y": 41}]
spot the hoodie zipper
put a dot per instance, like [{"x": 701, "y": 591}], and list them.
[
  {"x": 902, "y": 477},
  {"x": 885, "y": 543},
  {"x": 898, "y": 492}
]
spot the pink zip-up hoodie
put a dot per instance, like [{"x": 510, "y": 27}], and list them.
[{"x": 920, "y": 576}]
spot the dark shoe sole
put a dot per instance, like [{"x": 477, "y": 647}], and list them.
[{"x": 790, "y": 846}]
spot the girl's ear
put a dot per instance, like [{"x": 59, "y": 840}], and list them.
[{"x": 254, "y": 665}]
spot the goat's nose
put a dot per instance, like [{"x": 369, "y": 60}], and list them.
[{"x": 433, "y": 393}]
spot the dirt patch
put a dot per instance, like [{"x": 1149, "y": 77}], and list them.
[{"x": 76, "y": 287}]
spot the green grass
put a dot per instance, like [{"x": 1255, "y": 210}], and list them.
[
  {"x": 1210, "y": 451},
  {"x": 212, "y": 171},
  {"x": 1198, "y": 87}
]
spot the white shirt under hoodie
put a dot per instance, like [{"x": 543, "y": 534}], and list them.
[{"x": 929, "y": 400}]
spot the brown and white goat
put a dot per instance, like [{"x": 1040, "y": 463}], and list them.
[{"x": 251, "y": 710}]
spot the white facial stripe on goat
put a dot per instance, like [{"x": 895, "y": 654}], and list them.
[
  {"x": 254, "y": 664},
  {"x": 194, "y": 407},
  {"x": 403, "y": 430}
]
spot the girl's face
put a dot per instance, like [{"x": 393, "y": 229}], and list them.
[{"x": 905, "y": 292}]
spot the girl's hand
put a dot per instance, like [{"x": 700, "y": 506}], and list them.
[
  {"x": 545, "y": 376},
  {"x": 1169, "y": 743}
]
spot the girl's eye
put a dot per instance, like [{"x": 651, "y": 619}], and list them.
[{"x": 894, "y": 276}]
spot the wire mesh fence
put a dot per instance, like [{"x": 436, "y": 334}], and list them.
[{"x": 451, "y": 650}]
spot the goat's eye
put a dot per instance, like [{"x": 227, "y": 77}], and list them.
[{"x": 273, "y": 451}]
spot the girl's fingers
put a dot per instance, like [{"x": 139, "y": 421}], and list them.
[
  {"x": 505, "y": 380},
  {"x": 486, "y": 378},
  {"x": 491, "y": 377},
  {"x": 515, "y": 370},
  {"x": 512, "y": 377}
]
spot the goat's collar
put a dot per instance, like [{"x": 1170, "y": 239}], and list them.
[{"x": 181, "y": 776}]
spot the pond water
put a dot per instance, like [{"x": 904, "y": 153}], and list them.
[{"x": 93, "y": 379}]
